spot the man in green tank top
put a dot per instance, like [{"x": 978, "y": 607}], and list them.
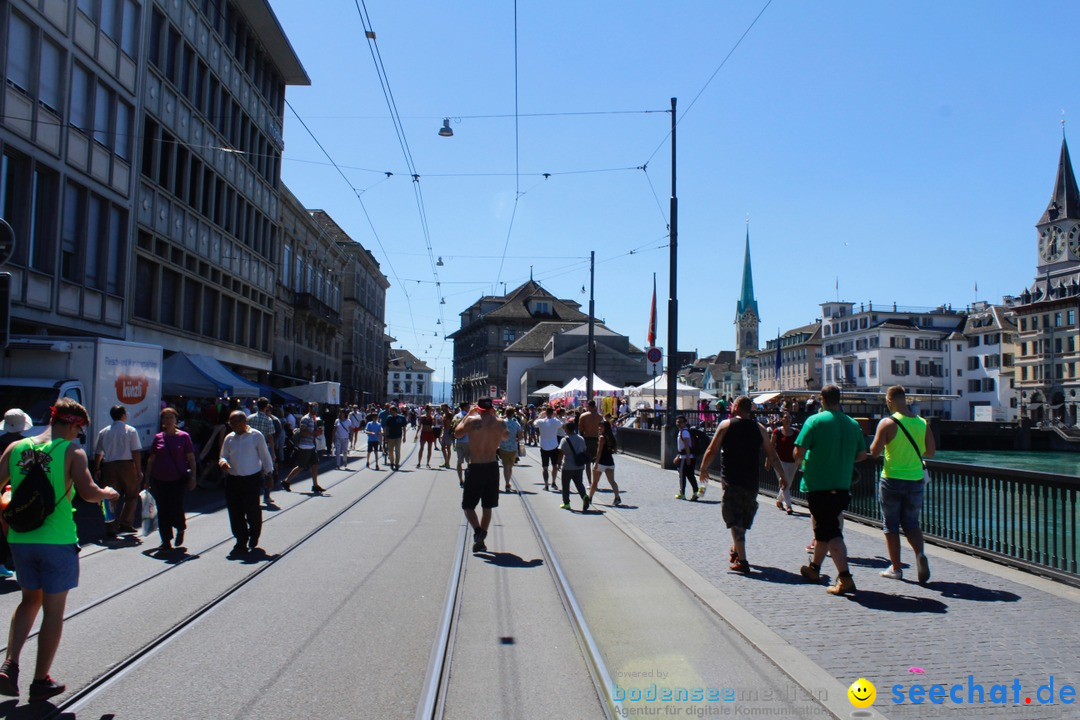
[
  {"x": 47, "y": 558},
  {"x": 902, "y": 486}
]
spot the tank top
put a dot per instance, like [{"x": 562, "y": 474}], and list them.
[
  {"x": 901, "y": 460},
  {"x": 59, "y": 526},
  {"x": 607, "y": 456},
  {"x": 742, "y": 453}
]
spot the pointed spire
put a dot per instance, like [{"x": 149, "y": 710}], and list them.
[
  {"x": 1065, "y": 202},
  {"x": 746, "y": 297}
]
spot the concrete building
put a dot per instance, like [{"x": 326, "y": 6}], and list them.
[
  {"x": 723, "y": 378},
  {"x": 800, "y": 361},
  {"x": 493, "y": 323},
  {"x": 408, "y": 379},
  {"x": 875, "y": 347},
  {"x": 141, "y": 151},
  {"x": 562, "y": 357},
  {"x": 363, "y": 326},
  {"x": 1046, "y": 312},
  {"x": 981, "y": 365},
  {"x": 309, "y": 341}
]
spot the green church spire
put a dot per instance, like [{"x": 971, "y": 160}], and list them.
[{"x": 746, "y": 297}]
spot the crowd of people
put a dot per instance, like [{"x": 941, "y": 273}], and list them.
[{"x": 250, "y": 450}]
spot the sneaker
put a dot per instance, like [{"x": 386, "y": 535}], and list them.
[
  {"x": 478, "y": 541},
  {"x": 5, "y": 573},
  {"x": 164, "y": 547},
  {"x": 844, "y": 585},
  {"x": 585, "y": 502},
  {"x": 740, "y": 566},
  {"x": 694, "y": 496},
  {"x": 9, "y": 679},
  {"x": 179, "y": 538},
  {"x": 565, "y": 506},
  {"x": 810, "y": 573},
  {"x": 286, "y": 485},
  {"x": 679, "y": 496},
  {"x": 45, "y": 689},
  {"x": 733, "y": 556},
  {"x": 924, "y": 568},
  {"x": 317, "y": 489},
  {"x": 237, "y": 550},
  {"x": 892, "y": 574},
  {"x": 701, "y": 491}
]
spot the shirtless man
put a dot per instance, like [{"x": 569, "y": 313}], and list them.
[
  {"x": 589, "y": 427},
  {"x": 485, "y": 431}
]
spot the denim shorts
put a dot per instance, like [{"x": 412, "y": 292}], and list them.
[
  {"x": 901, "y": 502},
  {"x": 50, "y": 568}
]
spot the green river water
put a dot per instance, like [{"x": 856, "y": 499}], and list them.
[{"x": 1061, "y": 463}]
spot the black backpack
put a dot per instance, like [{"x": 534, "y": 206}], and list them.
[
  {"x": 699, "y": 440},
  {"x": 34, "y": 499}
]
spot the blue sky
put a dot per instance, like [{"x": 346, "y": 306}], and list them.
[{"x": 902, "y": 150}]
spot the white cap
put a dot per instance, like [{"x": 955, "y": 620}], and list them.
[{"x": 15, "y": 421}]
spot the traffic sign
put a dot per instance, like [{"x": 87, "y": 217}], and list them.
[
  {"x": 493, "y": 391},
  {"x": 7, "y": 241},
  {"x": 655, "y": 358}
]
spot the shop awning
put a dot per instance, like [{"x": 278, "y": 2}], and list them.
[
  {"x": 766, "y": 397},
  {"x": 202, "y": 376}
]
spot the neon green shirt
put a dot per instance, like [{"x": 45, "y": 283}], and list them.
[
  {"x": 59, "y": 526},
  {"x": 901, "y": 460}
]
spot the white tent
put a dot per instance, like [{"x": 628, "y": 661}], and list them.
[
  {"x": 546, "y": 390},
  {"x": 577, "y": 388},
  {"x": 686, "y": 397}
]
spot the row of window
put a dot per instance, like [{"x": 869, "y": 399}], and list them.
[
  {"x": 1042, "y": 372},
  {"x": 1042, "y": 346},
  {"x": 229, "y": 24},
  {"x": 981, "y": 385},
  {"x": 178, "y": 61},
  {"x": 173, "y": 167},
  {"x": 119, "y": 19},
  {"x": 98, "y": 110},
  {"x": 30, "y": 202},
  {"x": 165, "y": 296},
  {"x": 306, "y": 278},
  {"x": 35, "y": 64},
  {"x": 1068, "y": 318},
  {"x": 408, "y": 388}
]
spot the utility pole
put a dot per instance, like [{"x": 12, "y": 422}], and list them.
[
  {"x": 673, "y": 295},
  {"x": 590, "y": 361}
]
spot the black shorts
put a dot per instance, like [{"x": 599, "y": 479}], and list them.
[
  {"x": 826, "y": 510},
  {"x": 739, "y": 505},
  {"x": 549, "y": 457},
  {"x": 306, "y": 457},
  {"x": 481, "y": 486},
  {"x": 591, "y": 445},
  {"x": 373, "y": 445}
]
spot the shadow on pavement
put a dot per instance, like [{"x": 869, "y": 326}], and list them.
[
  {"x": 774, "y": 575},
  {"x": 964, "y": 591},
  {"x": 878, "y": 562},
  {"x": 872, "y": 600},
  {"x": 509, "y": 560}
]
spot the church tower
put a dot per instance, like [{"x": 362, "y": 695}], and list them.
[
  {"x": 746, "y": 310},
  {"x": 1059, "y": 226}
]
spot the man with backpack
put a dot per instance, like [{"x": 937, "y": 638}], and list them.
[{"x": 46, "y": 556}]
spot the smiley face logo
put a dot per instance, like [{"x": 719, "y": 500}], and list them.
[{"x": 862, "y": 693}]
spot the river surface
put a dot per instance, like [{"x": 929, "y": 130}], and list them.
[{"x": 1061, "y": 463}]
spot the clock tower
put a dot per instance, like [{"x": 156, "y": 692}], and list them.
[
  {"x": 1059, "y": 226},
  {"x": 747, "y": 319}
]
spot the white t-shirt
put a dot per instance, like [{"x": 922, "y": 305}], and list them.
[{"x": 549, "y": 428}]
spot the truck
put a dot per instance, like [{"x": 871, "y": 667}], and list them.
[
  {"x": 324, "y": 393},
  {"x": 96, "y": 372}
]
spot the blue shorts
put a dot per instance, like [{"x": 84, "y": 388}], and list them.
[
  {"x": 901, "y": 502},
  {"x": 50, "y": 568}
]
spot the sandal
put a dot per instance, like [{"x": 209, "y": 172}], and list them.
[{"x": 740, "y": 566}]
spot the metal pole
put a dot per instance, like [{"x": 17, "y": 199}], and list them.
[
  {"x": 673, "y": 297},
  {"x": 590, "y": 362}
]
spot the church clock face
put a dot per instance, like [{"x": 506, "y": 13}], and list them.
[
  {"x": 1074, "y": 241},
  {"x": 748, "y": 320},
  {"x": 1052, "y": 244}
]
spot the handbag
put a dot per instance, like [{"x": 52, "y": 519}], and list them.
[
  {"x": 925, "y": 472},
  {"x": 149, "y": 512}
]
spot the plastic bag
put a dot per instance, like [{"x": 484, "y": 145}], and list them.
[
  {"x": 521, "y": 450},
  {"x": 320, "y": 442},
  {"x": 149, "y": 512}
]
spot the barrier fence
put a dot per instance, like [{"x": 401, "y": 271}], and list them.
[{"x": 1022, "y": 518}]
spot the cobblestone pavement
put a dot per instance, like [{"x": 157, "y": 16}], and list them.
[{"x": 970, "y": 619}]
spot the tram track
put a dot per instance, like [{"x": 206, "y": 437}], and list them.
[
  {"x": 432, "y": 704},
  {"x": 133, "y": 660}
]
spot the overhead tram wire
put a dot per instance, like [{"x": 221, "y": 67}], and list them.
[
  {"x": 382, "y": 248},
  {"x": 517, "y": 151},
  {"x": 399, "y": 129},
  {"x": 714, "y": 73}
]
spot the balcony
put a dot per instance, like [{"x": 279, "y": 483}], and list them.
[{"x": 309, "y": 303}]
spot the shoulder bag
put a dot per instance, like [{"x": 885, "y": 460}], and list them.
[{"x": 925, "y": 472}]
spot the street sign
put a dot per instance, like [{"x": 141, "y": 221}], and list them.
[
  {"x": 493, "y": 391},
  {"x": 655, "y": 358},
  {"x": 7, "y": 241}
]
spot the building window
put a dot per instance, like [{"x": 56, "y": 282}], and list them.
[
  {"x": 508, "y": 335},
  {"x": 1023, "y": 324},
  {"x": 973, "y": 362},
  {"x": 873, "y": 367}
]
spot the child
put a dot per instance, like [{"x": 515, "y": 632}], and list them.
[
  {"x": 341, "y": 438},
  {"x": 374, "y": 435}
]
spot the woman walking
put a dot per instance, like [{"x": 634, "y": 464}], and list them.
[
  {"x": 342, "y": 428},
  {"x": 783, "y": 439},
  {"x": 171, "y": 471},
  {"x": 447, "y": 433},
  {"x": 605, "y": 461},
  {"x": 426, "y": 433}
]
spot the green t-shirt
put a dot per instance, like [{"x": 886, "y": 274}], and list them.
[
  {"x": 832, "y": 441},
  {"x": 59, "y": 526}
]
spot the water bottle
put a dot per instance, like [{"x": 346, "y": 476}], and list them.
[{"x": 107, "y": 511}]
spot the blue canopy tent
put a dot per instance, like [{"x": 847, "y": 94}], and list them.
[
  {"x": 202, "y": 376},
  {"x": 277, "y": 395}
]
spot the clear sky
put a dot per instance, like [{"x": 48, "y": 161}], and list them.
[{"x": 903, "y": 151}]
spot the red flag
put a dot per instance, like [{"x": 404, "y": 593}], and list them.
[{"x": 652, "y": 315}]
